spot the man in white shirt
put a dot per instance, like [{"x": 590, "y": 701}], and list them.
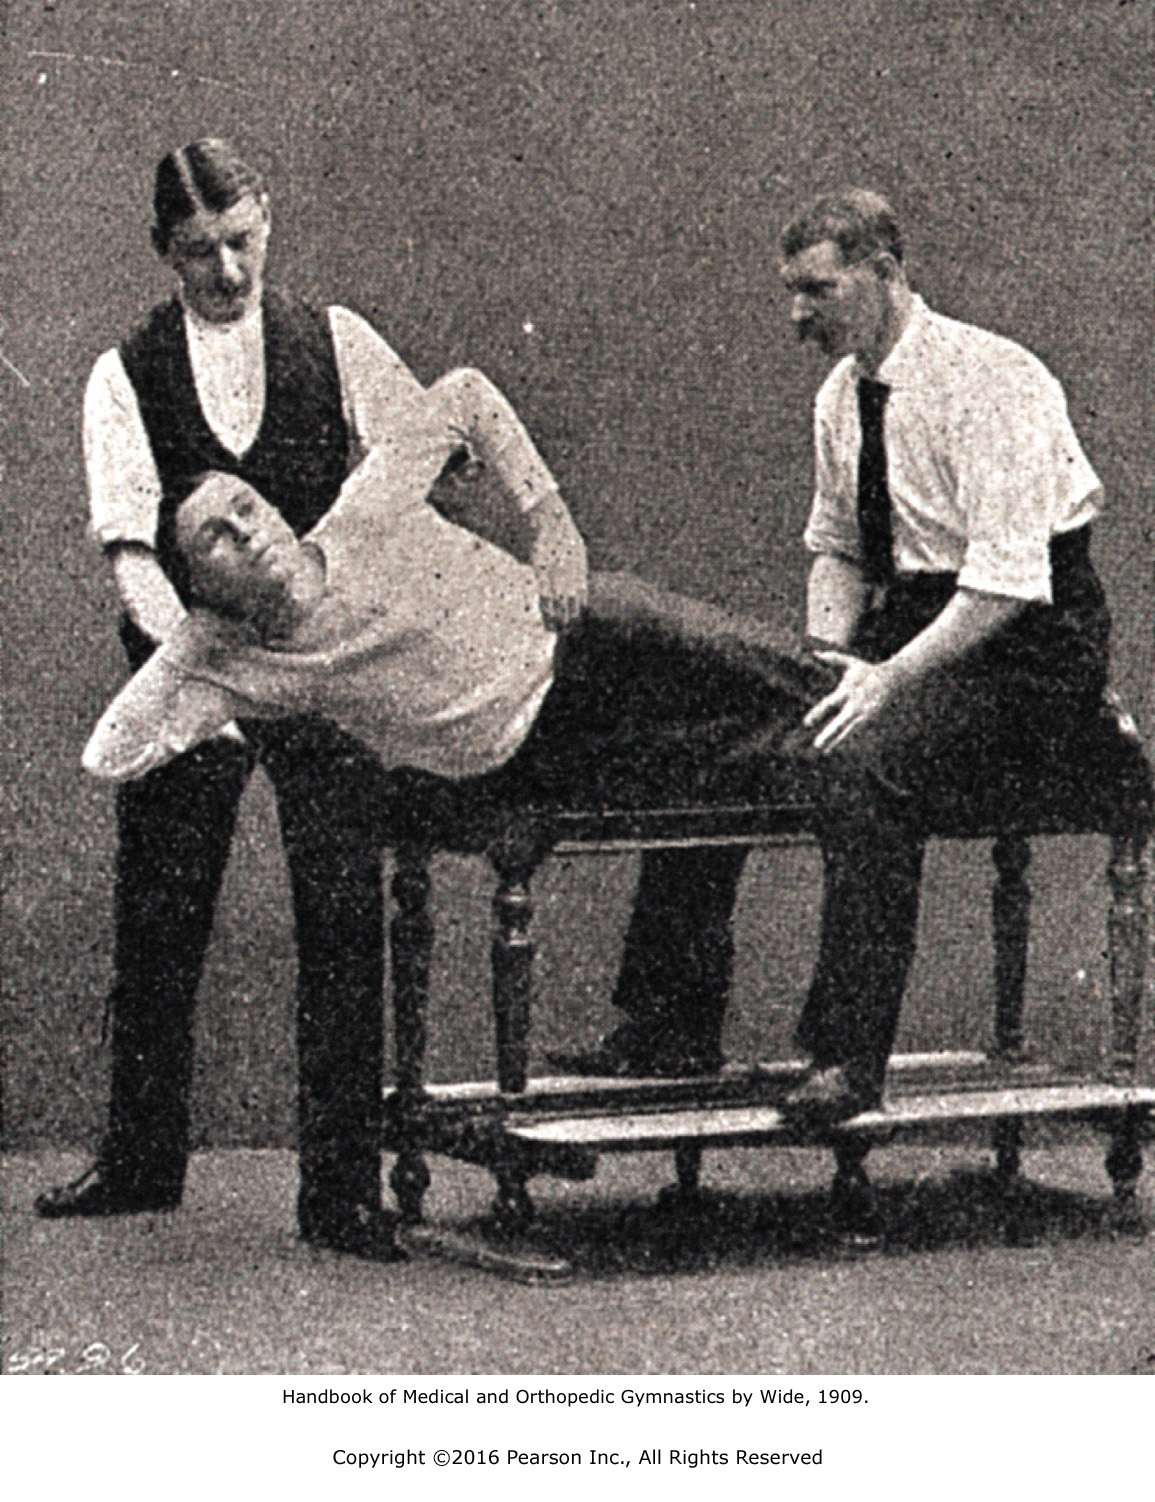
[
  {"x": 951, "y": 585},
  {"x": 234, "y": 377}
]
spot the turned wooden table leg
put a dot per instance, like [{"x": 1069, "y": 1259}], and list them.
[
  {"x": 513, "y": 953},
  {"x": 1011, "y": 917},
  {"x": 688, "y": 1167},
  {"x": 1127, "y": 942},
  {"x": 513, "y": 1208},
  {"x": 1010, "y": 921},
  {"x": 686, "y": 1193},
  {"x": 411, "y": 941},
  {"x": 1124, "y": 1162},
  {"x": 853, "y": 1206},
  {"x": 1007, "y": 1139},
  {"x": 514, "y": 858}
]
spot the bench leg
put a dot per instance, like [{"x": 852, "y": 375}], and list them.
[
  {"x": 1127, "y": 941},
  {"x": 411, "y": 948},
  {"x": 1007, "y": 1139},
  {"x": 688, "y": 1167},
  {"x": 686, "y": 1193},
  {"x": 512, "y": 955},
  {"x": 1124, "y": 1166},
  {"x": 1011, "y": 916},
  {"x": 1125, "y": 1156},
  {"x": 513, "y": 1208},
  {"x": 853, "y": 1206}
]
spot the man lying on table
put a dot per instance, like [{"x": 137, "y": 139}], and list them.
[{"x": 430, "y": 644}]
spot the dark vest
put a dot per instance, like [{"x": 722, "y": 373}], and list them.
[{"x": 300, "y": 456}]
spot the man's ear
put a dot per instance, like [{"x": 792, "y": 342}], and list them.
[{"x": 886, "y": 268}]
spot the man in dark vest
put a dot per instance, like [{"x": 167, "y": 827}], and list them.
[{"x": 230, "y": 376}]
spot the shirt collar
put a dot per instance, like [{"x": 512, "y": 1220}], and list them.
[
  {"x": 900, "y": 365},
  {"x": 204, "y": 329}
]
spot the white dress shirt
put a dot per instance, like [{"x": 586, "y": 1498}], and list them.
[
  {"x": 228, "y": 365},
  {"x": 983, "y": 465}
]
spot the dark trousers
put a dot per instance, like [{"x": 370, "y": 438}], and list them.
[
  {"x": 661, "y": 700},
  {"x": 996, "y": 721},
  {"x": 175, "y": 828}
]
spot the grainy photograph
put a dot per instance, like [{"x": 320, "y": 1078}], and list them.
[{"x": 578, "y": 688}]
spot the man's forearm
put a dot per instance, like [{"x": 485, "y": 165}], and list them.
[
  {"x": 159, "y": 713},
  {"x": 145, "y": 590},
  {"x": 867, "y": 688},
  {"x": 482, "y": 416},
  {"x": 968, "y": 619},
  {"x": 836, "y": 595}
]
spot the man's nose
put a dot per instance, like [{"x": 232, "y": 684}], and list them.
[
  {"x": 228, "y": 267},
  {"x": 800, "y": 308}
]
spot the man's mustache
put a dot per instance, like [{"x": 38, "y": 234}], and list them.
[{"x": 819, "y": 333}]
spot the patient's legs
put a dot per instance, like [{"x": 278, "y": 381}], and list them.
[{"x": 661, "y": 700}]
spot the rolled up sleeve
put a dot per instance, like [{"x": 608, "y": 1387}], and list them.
[
  {"x": 833, "y": 523},
  {"x": 123, "y": 484},
  {"x": 1022, "y": 472},
  {"x": 375, "y": 382}
]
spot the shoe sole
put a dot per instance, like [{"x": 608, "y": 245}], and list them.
[{"x": 47, "y": 1210}]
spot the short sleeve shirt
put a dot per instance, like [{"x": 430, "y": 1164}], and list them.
[{"x": 983, "y": 465}]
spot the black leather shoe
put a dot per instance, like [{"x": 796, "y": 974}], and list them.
[
  {"x": 358, "y": 1232},
  {"x": 106, "y": 1189},
  {"x": 631, "y": 1052},
  {"x": 824, "y": 1099}
]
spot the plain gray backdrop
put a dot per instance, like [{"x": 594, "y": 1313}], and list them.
[{"x": 582, "y": 197}]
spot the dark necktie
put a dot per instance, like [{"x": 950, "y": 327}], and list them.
[{"x": 874, "y": 523}]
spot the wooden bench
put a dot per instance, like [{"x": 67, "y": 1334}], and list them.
[{"x": 520, "y": 1127}]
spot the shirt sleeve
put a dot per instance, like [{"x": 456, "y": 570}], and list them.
[
  {"x": 477, "y": 414},
  {"x": 1022, "y": 473},
  {"x": 833, "y": 523},
  {"x": 161, "y": 712},
  {"x": 375, "y": 382},
  {"x": 123, "y": 484},
  {"x": 396, "y": 477},
  {"x": 146, "y": 592}
]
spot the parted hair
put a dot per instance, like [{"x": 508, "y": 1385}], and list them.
[
  {"x": 205, "y": 174},
  {"x": 859, "y": 222}
]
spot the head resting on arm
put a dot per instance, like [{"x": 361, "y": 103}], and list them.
[{"x": 244, "y": 560}]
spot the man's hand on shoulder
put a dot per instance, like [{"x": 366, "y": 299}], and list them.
[{"x": 558, "y": 559}]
